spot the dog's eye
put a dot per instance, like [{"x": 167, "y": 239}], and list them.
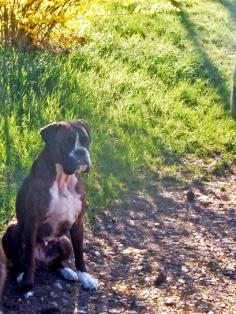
[
  {"x": 84, "y": 140},
  {"x": 70, "y": 142}
]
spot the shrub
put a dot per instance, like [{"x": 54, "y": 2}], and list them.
[{"x": 45, "y": 23}]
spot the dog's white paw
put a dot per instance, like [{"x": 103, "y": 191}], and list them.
[
  {"x": 87, "y": 281},
  {"x": 68, "y": 274},
  {"x": 19, "y": 278},
  {"x": 28, "y": 294}
]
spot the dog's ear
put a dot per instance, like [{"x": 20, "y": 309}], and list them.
[
  {"x": 49, "y": 131},
  {"x": 84, "y": 124}
]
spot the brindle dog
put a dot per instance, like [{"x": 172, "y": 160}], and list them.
[{"x": 50, "y": 203}]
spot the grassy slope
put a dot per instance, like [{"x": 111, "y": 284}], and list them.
[{"x": 154, "y": 87}]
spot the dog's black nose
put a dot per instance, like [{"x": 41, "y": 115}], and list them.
[
  {"x": 80, "y": 153},
  {"x": 82, "y": 156}
]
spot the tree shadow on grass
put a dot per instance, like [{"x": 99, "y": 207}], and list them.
[
  {"x": 209, "y": 71},
  {"x": 29, "y": 80},
  {"x": 231, "y": 6},
  {"x": 116, "y": 172}
]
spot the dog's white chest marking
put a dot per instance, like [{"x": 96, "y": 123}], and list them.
[{"x": 66, "y": 204}]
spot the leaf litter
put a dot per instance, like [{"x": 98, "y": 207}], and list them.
[{"x": 159, "y": 251}]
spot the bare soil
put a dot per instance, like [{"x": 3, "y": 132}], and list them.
[{"x": 162, "y": 250}]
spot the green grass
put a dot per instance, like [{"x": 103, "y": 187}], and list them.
[{"x": 154, "y": 87}]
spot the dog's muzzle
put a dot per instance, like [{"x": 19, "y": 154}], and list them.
[{"x": 78, "y": 161}]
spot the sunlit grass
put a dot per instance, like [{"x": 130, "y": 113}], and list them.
[{"x": 154, "y": 87}]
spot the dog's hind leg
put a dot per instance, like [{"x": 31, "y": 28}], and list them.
[
  {"x": 3, "y": 270},
  {"x": 59, "y": 251},
  {"x": 13, "y": 248}
]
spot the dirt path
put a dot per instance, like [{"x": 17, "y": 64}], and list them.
[{"x": 156, "y": 252}]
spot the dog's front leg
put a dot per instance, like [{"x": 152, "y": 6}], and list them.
[
  {"x": 26, "y": 279},
  {"x": 77, "y": 234},
  {"x": 77, "y": 238}
]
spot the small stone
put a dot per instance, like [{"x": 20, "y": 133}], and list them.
[
  {"x": 147, "y": 279},
  {"x": 52, "y": 294},
  {"x": 229, "y": 272},
  {"x": 82, "y": 312},
  {"x": 123, "y": 301},
  {"x": 64, "y": 301},
  {"x": 163, "y": 286},
  {"x": 54, "y": 304},
  {"x": 139, "y": 303},
  {"x": 98, "y": 254},
  {"x": 206, "y": 203},
  {"x": 212, "y": 264},
  {"x": 58, "y": 285},
  {"x": 233, "y": 254},
  {"x": 190, "y": 196},
  {"x": 211, "y": 282},
  {"x": 184, "y": 269},
  {"x": 94, "y": 298},
  {"x": 160, "y": 279},
  {"x": 114, "y": 311},
  {"x": 170, "y": 301},
  {"x": 225, "y": 197}
]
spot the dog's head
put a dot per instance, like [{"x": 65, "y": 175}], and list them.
[{"x": 68, "y": 143}]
